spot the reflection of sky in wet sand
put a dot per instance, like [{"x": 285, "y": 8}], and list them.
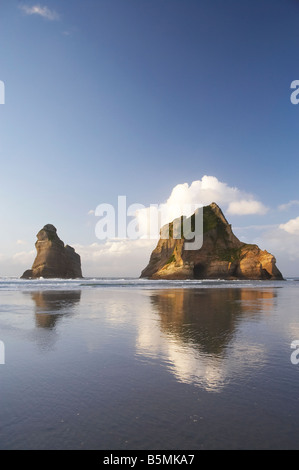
[
  {"x": 195, "y": 333},
  {"x": 175, "y": 368}
]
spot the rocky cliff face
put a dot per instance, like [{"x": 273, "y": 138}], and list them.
[
  {"x": 54, "y": 259},
  {"x": 222, "y": 255}
]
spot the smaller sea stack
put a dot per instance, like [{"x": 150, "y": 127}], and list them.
[{"x": 53, "y": 259}]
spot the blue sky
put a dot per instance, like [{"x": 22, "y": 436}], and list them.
[{"x": 129, "y": 97}]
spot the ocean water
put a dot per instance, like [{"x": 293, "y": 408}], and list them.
[{"x": 122, "y": 364}]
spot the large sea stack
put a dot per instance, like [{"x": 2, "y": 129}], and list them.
[
  {"x": 222, "y": 255},
  {"x": 54, "y": 259}
]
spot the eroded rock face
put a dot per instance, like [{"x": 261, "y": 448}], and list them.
[
  {"x": 222, "y": 255},
  {"x": 54, "y": 259}
]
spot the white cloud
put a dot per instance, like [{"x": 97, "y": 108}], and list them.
[
  {"x": 292, "y": 226},
  {"x": 24, "y": 258},
  {"x": 40, "y": 10},
  {"x": 210, "y": 189},
  {"x": 185, "y": 198},
  {"x": 21, "y": 242},
  {"x": 246, "y": 207},
  {"x": 284, "y": 207}
]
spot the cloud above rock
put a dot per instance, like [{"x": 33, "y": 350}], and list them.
[
  {"x": 209, "y": 189},
  {"x": 185, "y": 198}
]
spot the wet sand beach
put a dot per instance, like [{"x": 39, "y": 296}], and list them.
[{"x": 131, "y": 365}]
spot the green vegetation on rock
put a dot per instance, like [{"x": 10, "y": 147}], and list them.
[
  {"x": 171, "y": 259},
  {"x": 212, "y": 221},
  {"x": 230, "y": 254}
]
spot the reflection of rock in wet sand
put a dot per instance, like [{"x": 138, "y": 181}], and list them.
[
  {"x": 207, "y": 318},
  {"x": 198, "y": 327},
  {"x": 52, "y": 305},
  {"x": 257, "y": 300}
]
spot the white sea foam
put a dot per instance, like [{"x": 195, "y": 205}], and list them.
[{"x": 11, "y": 284}]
